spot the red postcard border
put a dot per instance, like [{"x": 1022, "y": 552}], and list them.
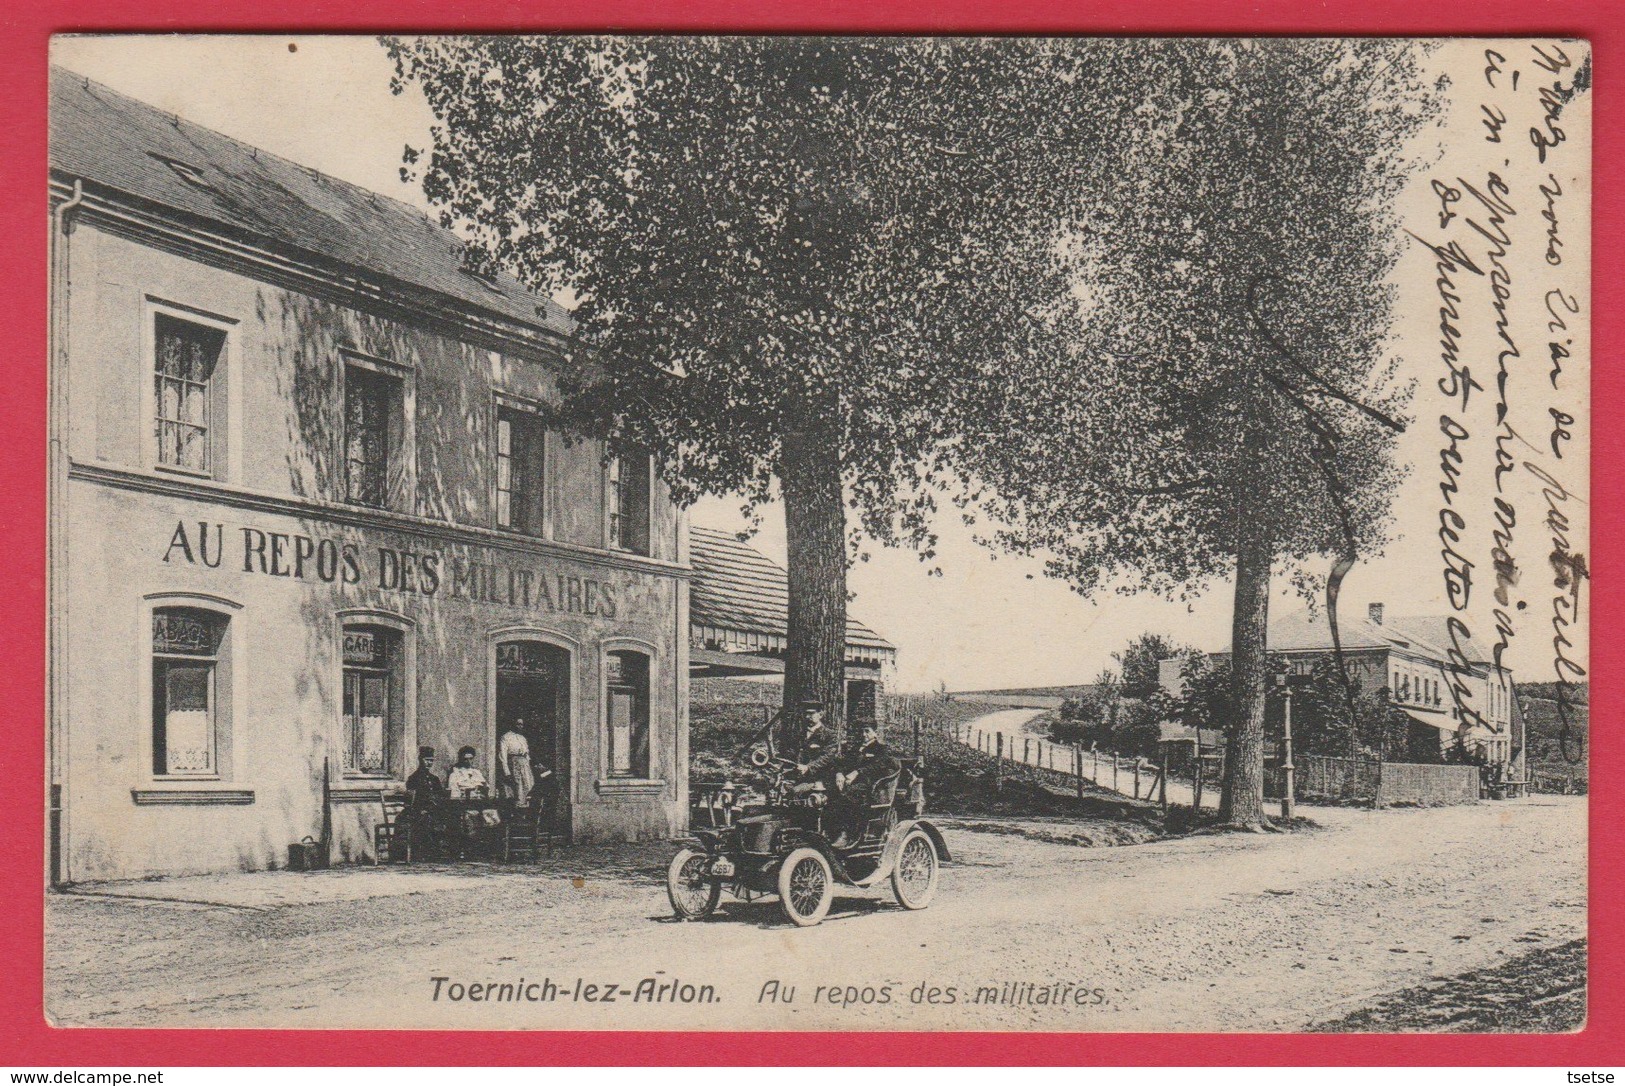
[{"x": 26, "y": 1037}]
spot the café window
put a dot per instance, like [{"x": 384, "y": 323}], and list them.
[
  {"x": 627, "y": 495},
  {"x": 373, "y": 701},
  {"x": 186, "y": 362},
  {"x": 521, "y": 443},
  {"x": 627, "y": 705},
  {"x": 371, "y": 433},
  {"x": 188, "y": 692}
]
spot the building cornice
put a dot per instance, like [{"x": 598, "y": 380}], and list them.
[
  {"x": 208, "y": 242},
  {"x": 353, "y": 516}
]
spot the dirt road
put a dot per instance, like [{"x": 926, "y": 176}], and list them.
[{"x": 1269, "y": 932}]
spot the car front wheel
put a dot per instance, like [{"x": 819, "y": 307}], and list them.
[
  {"x": 694, "y": 895},
  {"x": 806, "y": 887}
]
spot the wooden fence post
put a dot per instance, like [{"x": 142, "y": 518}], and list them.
[
  {"x": 1114, "y": 773},
  {"x": 998, "y": 763},
  {"x": 1137, "y": 761},
  {"x": 1077, "y": 761},
  {"x": 1026, "y": 751},
  {"x": 1197, "y": 797},
  {"x": 1165, "y": 778}
]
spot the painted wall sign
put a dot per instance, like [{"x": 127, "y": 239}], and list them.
[{"x": 422, "y": 573}]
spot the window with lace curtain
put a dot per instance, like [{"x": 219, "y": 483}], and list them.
[
  {"x": 373, "y": 701},
  {"x": 186, "y": 357},
  {"x": 521, "y": 470},
  {"x": 186, "y": 691}
]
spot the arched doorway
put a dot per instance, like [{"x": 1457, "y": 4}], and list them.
[{"x": 533, "y": 698}]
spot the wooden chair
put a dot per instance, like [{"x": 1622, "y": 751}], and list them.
[
  {"x": 526, "y": 831},
  {"x": 392, "y": 837}
]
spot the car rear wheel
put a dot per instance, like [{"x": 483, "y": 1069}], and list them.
[
  {"x": 914, "y": 875},
  {"x": 806, "y": 887},
  {"x": 694, "y": 895}
]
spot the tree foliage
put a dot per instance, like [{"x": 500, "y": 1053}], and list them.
[
  {"x": 788, "y": 254},
  {"x": 846, "y": 226},
  {"x": 1123, "y": 709},
  {"x": 1229, "y": 346},
  {"x": 1320, "y": 720},
  {"x": 1220, "y": 396},
  {"x": 1140, "y": 663}
]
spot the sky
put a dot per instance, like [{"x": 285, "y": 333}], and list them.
[{"x": 989, "y": 620}]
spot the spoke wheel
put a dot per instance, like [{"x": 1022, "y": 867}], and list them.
[
  {"x": 806, "y": 887},
  {"x": 693, "y": 894},
  {"x": 914, "y": 876}
]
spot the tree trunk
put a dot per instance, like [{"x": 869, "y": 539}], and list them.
[
  {"x": 1242, "y": 802},
  {"x": 815, "y": 529}
]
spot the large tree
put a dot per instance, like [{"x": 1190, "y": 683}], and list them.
[
  {"x": 788, "y": 254},
  {"x": 1219, "y": 400}
]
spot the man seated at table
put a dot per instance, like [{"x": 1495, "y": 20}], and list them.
[{"x": 425, "y": 796}]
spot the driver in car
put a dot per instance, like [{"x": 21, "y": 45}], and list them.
[
  {"x": 821, "y": 756},
  {"x": 816, "y": 738}
]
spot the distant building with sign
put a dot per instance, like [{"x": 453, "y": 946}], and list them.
[
  {"x": 304, "y": 518},
  {"x": 1445, "y": 683}
]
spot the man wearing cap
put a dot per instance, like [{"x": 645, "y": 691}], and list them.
[{"x": 425, "y": 792}]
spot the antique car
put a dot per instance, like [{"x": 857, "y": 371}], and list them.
[{"x": 778, "y": 843}]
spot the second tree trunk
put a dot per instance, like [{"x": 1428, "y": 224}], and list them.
[{"x": 1242, "y": 802}]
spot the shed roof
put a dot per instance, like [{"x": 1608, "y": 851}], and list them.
[
  {"x": 738, "y": 588},
  {"x": 112, "y": 140}
]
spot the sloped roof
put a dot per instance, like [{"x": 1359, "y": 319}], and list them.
[
  {"x": 1424, "y": 635},
  {"x": 115, "y": 141},
  {"x": 737, "y": 587}
]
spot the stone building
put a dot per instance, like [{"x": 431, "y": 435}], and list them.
[
  {"x": 1447, "y": 685},
  {"x": 304, "y": 518}
]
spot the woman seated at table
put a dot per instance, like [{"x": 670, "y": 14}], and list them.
[
  {"x": 469, "y": 795},
  {"x": 466, "y": 781}
]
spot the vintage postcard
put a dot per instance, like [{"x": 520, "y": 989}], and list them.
[{"x": 795, "y": 533}]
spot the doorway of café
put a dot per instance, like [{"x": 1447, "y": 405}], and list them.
[{"x": 533, "y": 699}]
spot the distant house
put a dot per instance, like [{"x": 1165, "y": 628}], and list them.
[
  {"x": 1450, "y": 688},
  {"x": 739, "y": 609}
]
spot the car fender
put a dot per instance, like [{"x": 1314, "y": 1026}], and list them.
[
  {"x": 936, "y": 838},
  {"x": 805, "y": 839},
  {"x": 894, "y": 845}
]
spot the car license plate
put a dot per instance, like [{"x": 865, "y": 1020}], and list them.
[{"x": 722, "y": 866}]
